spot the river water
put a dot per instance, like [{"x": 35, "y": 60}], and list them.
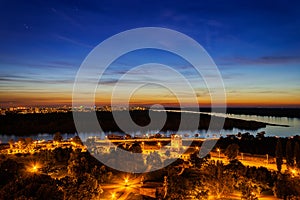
[{"x": 280, "y": 131}]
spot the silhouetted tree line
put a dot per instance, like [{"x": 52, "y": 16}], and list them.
[
  {"x": 63, "y": 122},
  {"x": 291, "y": 153},
  {"x": 260, "y": 145}
]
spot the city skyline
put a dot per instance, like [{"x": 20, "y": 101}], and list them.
[{"x": 255, "y": 45}]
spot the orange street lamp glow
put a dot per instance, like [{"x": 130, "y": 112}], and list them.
[
  {"x": 218, "y": 150},
  {"x": 126, "y": 180},
  {"x": 294, "y": 172},
  {"x": 113, "y": 196},
  {"x": 34, "y": 168}
]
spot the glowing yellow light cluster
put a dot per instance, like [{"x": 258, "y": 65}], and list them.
[
  {"x": 159, "y": 144},
  {"x": 126, "y": 181},
  {"x": 113, "y": 196},
  {"x": 34, "y": 167}
]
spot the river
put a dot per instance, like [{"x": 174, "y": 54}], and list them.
[{"x": 280, "y": 131}]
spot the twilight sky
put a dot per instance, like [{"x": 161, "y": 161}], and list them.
[{"x": 255, "y": 44}]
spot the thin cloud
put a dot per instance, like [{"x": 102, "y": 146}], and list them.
[
  {"x": 260, "y": 60},
  {"x": 72, "y": 41},
  {"x": 24, "y": 79},
  {"x": 46, "y": 64}
]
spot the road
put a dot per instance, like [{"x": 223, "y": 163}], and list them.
[
  {"x": 249, "y": 162},
  {"x": 150, "y": 140}
]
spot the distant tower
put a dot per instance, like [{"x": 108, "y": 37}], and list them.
[{"x": 176, "y": 142}]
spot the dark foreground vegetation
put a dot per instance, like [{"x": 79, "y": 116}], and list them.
[
  {"x": 258, "y": 144},
  {"x": 68, "y": 173},
  {"x": 29, "y": 124}
]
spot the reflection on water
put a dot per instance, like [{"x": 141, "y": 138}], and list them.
[
  {"x": 293, "y": 129},
  {"x": 293, "y": 123}
]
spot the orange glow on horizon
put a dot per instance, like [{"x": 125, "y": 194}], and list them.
[{"x": 239, "y": 100}]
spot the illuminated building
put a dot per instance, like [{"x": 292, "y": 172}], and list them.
[{"x": 176, "y": 142}]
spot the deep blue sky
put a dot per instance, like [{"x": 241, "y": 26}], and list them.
[{"x": 255, "y": 44}]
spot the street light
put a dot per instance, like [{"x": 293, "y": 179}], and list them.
[
  {"x": 34, "y": 168},
  {"x": 294, "y": 172},
  {"x": 143, "y": 145},
  {"x": 126, "y": 180},
  {"x": 218, "y": 150},
  {"x": 113, "y": 196},
  {"x": 159, "y": 144}
]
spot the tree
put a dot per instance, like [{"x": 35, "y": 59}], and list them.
[
  {"x": 57, "y": 137},
  {"x": 279, "y": 155},
  {"x": 189, "y": 185},
  {"x": 289, "y": 154},
  {"x": 136, "y": 158},
  {"x": 153, "y": 160},
  {"x": 28, "y": 142},
  {"x": 218, "y": 180},
  {"x": 247, "y": 187},
  {"x": 11, "y": 143},
  {"x": 9, "y": 170},
  {"x": 232, "y": 151},
  {"x": 77, "y": 140},
  {"x": 77, "y": 164},
  {"x": 168, "y": 153},
  {"x": 196, "y": 161},
  {"x": 136, "y": 148},
  {"x": 285, "y": 187},
  {"x": 101, "y": 174},
  {"x": 21, "y": 143},
  {"x": 297, "y": 154},
  {"x": 36, "y": 186}
]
